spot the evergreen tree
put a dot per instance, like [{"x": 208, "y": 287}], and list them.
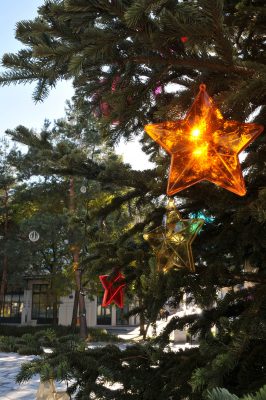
[
  {"x": 121, "y": 55},
  {"x": 93, "y": 222},
  {"x": 48, "y": 257},
  {"x": 37, "y": 207},
  {"x": 7, "y": 181}
]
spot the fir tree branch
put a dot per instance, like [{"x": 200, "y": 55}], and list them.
[{"x": 195, "y": 63}]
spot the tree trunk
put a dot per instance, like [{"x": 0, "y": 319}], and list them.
[
  {"x": 53, "y": 289},
  {"x": 141, "y": 324},
  {"x": 3, "y": 286},
  {"x": 82, "y": 308},
  {"x": 146, "y": 331},
  {"x": 75, "y": 310},
  {"x": 154, "y": 329},
  {"x": 77, "y": 271},
  {"x": 141, "y": 319}
]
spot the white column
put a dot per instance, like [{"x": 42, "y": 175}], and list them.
[
  {"x": 65, "y": 309},
  {"x": 91, "y": 308},
  {"x": 113, "y": 315},
  {"x": 27, "y": 306}
]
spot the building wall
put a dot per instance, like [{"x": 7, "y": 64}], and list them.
[{"x": 66, "y": 307}]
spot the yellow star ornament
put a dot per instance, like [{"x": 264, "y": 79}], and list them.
[
  {"x": 172, "y": 241},
  {"x": 204, "y": 146}
]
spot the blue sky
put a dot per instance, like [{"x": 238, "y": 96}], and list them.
[{"x": 16, "y": 104}]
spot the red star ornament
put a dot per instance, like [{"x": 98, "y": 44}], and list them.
[
  {"x": 204, "y": 146},
  {"x": 113, "y": 289}
]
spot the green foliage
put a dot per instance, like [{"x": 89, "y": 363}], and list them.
[
  {"x": 220, "y": 394},
  {"x": 8, "y": 344},
  {"x": 20, "y": 330},
  {"x": 27, "y": 344},
  {"x": 137, "y": 46},
  {"x": 101, "y": 335},
  {"x": 223, "y": 394},
  {"x": 140, "y": 42},
  {"x": 96, "y": 370},
  {"x": 31, "y": 340}
]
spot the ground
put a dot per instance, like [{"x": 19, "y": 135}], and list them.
[
  {"x": 10, "y": 365},
  {"x": 9, "y": 390}
]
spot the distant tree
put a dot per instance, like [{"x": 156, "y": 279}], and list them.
[{"x": 7, "y": 225}]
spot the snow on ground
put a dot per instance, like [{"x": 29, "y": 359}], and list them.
[
  {"x": 10, "y": 363},
  {"x": 160, "y": 325},
  {"x": 10, "y": 390}
]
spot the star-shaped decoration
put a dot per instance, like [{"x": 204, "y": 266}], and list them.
[
  {"x": 172, "y": 241},
  {"x": 204, "y": 146},
  {"x": 113, "y": 292}
]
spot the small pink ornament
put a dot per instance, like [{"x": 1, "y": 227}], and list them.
[
  {"x": 158, "y": 90},
  {"x": 116, "y": 122}
]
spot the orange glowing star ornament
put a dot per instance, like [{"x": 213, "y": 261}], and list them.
[
  {"x": 172, "y": 242},
  {"x": 204, "y": 146},
  {"x": 114, "y": 289}
]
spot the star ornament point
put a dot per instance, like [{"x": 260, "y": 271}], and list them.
[
  {"x": 204, "y": 146},
  {"x": 172, "y": 243},
  {"x": 113, "y": 289}
]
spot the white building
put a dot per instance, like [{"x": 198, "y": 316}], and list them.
[{"x": 31, "y": 305}]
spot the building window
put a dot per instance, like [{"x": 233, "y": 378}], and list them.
[
  {"x": 12, "y": 306},
  {"x": 120, "y": 312},
  {"x": 104, "y": 316},
  {"x": 42, "y": 308}
]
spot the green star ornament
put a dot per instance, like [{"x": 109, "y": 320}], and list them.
[{"x": 172, "y": 241}]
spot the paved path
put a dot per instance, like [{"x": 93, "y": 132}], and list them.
[{"x": 9, "y": 390}]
